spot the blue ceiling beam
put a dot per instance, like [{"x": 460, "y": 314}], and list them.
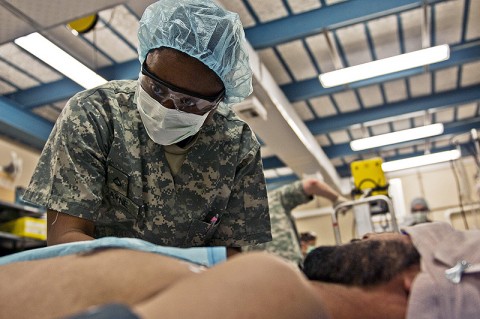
[
  {"x": 311, "y": 88},
  {"x": 66, "y": 88},
  {"x": 437, "y": 100},
  {"x": 272, "y": 162},
  {"x": 454, "y": 128},
  {"x": 273, "y": 183},
  {"x": 23, "y": 126},
  {"x": 328, "y": 17}
]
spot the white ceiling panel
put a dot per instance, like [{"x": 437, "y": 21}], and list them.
[
  {"x": 112, "y": 45},
  {"x": 323, "y": 140},
  {"x": 466, "y": 111},
  {"x": 354, "y": 42},
  {"x": 299, "y": 6},
  {"x": 239, "y": 7},
  {"x": 303, "y": 111},
  {"x": 47, "y": 112},
  {"x": 319, "y": 48},
  {"x": 337, "y": 161},
  {"x": 446, "y": 79},
  {"x": 371, "y": 96},
  {"x": 388, "y": 153},
  {"x": 412, "y": 29},
  {"x": 60, "y": 105},
  {"x": 395, "y": 90},
  {"x": 297, "y": 59},
  {"x": 274, "y": 66},
  {"x": 470, "y": 73},
  {"x": 380, "y": 129},
  {"x": 323, "y": 106},
  {"x": 405, "y": 150},
  {"x": 6, "y": 88},
  {"x": 420, "y": 84},
  {"x": 330, "y": 2},
  {"x": 357, "y": 132},
  {"x": 473, "y": 23},
  {"x": 27, "y": 63},
  {"x": 445, "y": 115},
  {"x": 448, "y": 22},
  {"x": 268, "y": 10},
  {"x": 442, "y": 143},
  {"x": 120, "y": 19},
  {"x": 15, "y": 77},
  {"x": 339, "y": 137},
  {"x": 401, "y": 125},
  {"x": 384, "y": 32},
  {"x": 346, "y": 101}
]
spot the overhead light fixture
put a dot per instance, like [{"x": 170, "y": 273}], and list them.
[
  {"x": 385, "y": 66},
  {"x": 60, "y": 60},
  {"x": 397, "y": 137},
  {"x": 421, "y": 160}
]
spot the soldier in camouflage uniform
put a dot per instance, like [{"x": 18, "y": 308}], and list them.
[
  {"x": 285, "y": 241},
  {"x": 163, "y": 158}
]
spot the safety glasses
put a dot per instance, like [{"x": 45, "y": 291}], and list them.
[{"x": 183, "y": 100}]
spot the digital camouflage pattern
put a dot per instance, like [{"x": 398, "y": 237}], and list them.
[
  {"x": 100, "y": 164},
  {"x": 285, "y": 242}
]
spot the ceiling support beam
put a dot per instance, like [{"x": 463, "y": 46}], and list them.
[
  {"x": 329, "y": 17},
  {"x": 437, "y": 100},
  {"x": 23, "y": 126}
]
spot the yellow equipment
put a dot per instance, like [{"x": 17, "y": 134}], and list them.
[{"x": 368, "y": 175}]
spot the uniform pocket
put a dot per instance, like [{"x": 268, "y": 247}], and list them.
[
  {"x": 118, "y": 184},
  {"x": 200, "y": 232}
]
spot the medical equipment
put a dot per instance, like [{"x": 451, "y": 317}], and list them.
[{"x": 372, "y": 208}]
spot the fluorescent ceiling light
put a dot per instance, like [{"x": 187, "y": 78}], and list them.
[
  {"x": 397, "y": 137},
  {"x": 60, "y": 60},
  {"x": 421, "y": 160},
  {"x": 385, "y": 66}
]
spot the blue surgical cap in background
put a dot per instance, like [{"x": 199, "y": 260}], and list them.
[{"x": 205, "y": 31}]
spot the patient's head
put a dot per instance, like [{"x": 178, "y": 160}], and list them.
[{"x": 361, "y": 263}]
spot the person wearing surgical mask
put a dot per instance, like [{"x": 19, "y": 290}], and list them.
[{"x": 162, "y": 158}]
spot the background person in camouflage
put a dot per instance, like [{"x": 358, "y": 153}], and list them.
[
  {"x": 163, "y": 158},
  {"x": 285, "y": 240}
]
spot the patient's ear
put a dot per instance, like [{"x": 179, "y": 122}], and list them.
[{"x": 409, "y": 276}]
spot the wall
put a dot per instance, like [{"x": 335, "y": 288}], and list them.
[
  {"x": 436, "y": 183},
  {"x": 29, "y": 162}
]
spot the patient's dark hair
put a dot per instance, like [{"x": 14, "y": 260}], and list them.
[{"x": 360, "y": 263}]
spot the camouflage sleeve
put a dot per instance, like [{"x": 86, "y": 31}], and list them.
[
  {"x": 291, "y": 195},
  {"x": 284, "y": 237},
  {"x": 246, "y": 220},
  {"x": 71, "y": 169}
]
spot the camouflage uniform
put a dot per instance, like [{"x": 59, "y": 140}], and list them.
[
  {"x": 285, "y": 241},
  {"x": 99, "y": 164}
]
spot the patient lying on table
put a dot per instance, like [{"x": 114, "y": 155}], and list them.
[{"x": 141, "y": 283}]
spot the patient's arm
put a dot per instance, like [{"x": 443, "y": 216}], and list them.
[
  {"x": 64, "y": 228},
  {"x": 253, "y": 285}
]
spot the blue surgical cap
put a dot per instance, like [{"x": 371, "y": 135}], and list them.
[{"x": 205, "y": 31}]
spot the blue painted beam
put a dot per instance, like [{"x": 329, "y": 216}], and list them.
[
  {"x": 311, "y": 88},
  {"x": 23, "y": 126},
  {"x": 454, "y": 128},
  {"x": 437, "y": 100},
  {"x": 272, "y": 162},
  {"x": 327, "y": 17},
  {"x": 66, "y": 88},
  {"x": 273, "y": 183}
]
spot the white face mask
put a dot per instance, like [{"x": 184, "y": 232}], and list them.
[{"x": 166, "y": 126}]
